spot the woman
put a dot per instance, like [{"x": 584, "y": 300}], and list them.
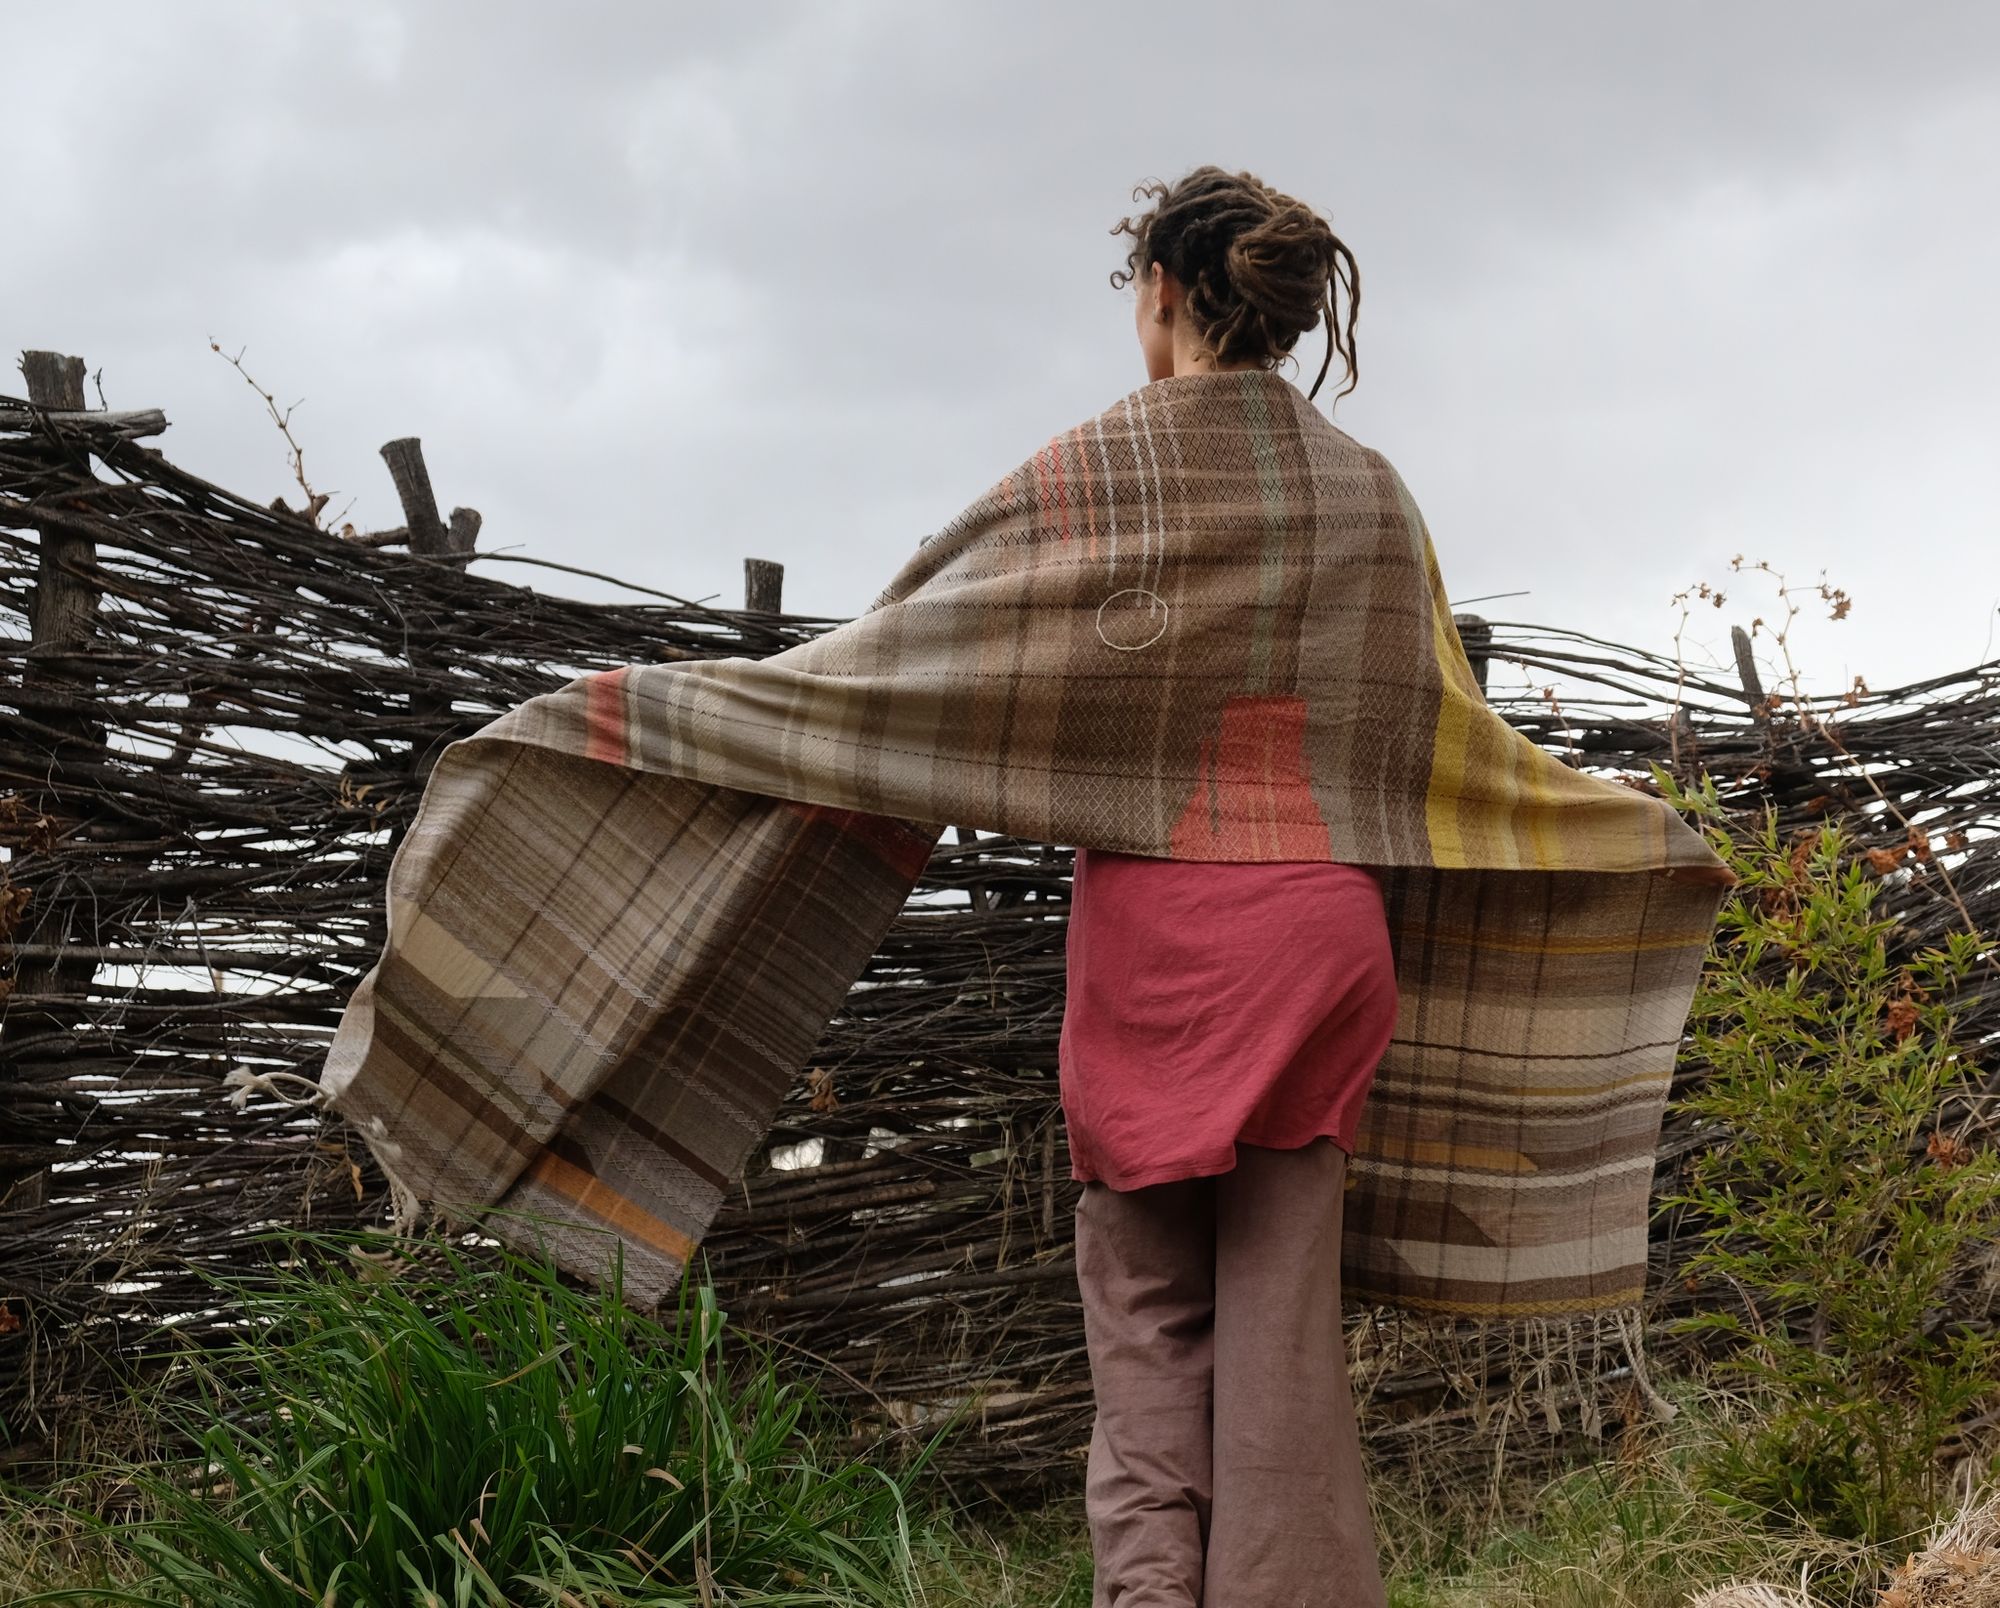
[
  {"x": 1223, "y": 1025},
  {"x": 1203, "y": 628}
]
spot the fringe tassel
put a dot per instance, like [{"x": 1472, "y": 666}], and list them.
[
  {"x": 406, "y": 1207},
  {"x": 1633, "y": 1332},
  {"x": 1504, "y": 1375}
]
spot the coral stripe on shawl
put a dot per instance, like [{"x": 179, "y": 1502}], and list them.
[{"x": 1206, "y": 624}]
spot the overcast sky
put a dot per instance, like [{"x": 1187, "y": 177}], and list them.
[{"x": 661, "y": 286}]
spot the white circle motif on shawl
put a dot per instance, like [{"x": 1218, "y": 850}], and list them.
[{"x": 1133, "y": 626}]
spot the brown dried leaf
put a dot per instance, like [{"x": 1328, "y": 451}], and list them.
[{"x": 1948, "y": 1150}]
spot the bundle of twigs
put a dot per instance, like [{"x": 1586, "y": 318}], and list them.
[{"x": 200, "y": 788}]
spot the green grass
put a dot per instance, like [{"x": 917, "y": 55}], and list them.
[
  {"x": 1636, "y": 1529},
  {"x": 472, "y": 1432}
]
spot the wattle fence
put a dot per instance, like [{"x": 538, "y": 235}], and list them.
[{"x": 214, "y": 724}]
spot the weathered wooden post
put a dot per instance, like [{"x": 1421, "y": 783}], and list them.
[
  {"x": 62, "y": 621},
  {"x": 54, "y": 381},
  {"x": 430, "y": 537},
  {"x": 1746, "y": 671},
  {"x": 1475, "y": 635},
  {"x": 763, "y": 586}
]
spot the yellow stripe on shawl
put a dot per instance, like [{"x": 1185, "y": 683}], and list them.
[
  {"x": 1533, "y": 774},
  {"x": 1493, "y": 794},
  {"x": 1553, "y": 944},
  {"x": 1441, "y": 1153},
  {"x": 1459, "y": 705}
]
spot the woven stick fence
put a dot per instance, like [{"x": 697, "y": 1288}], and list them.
[{"x": 214, "y": 725}]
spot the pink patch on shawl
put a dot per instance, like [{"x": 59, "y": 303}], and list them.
[
  {"x": 604, "y": 716},
  {"x": 1254, "y": 772},
  {"x": 893, "y": 843}
]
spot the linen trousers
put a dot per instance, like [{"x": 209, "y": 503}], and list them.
[{"x": 1224, "y": 1468}]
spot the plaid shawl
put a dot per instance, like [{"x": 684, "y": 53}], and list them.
[{"x": 1204, "y": 624}]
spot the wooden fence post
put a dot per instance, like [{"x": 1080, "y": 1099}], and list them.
[
  {"x": 62, "y": 621},
  {"x": 1746, "y": 671},
  {"x": 1475, "y": 635},
  {"x": 763, "y": 586},
  {"x": 430, "y": 537},
  {"x": 54, "y": 381}
]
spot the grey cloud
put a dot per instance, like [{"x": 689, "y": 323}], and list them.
[{"x": 661, "y": 286}]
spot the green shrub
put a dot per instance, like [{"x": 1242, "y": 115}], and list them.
[
  {"x": 473, "y": 1431},
  {"x": 1834, "y": 1200}
]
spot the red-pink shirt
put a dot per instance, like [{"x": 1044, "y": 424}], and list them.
[{"x": 1212, "y": 1002}]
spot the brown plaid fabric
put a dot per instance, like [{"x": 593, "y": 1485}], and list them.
[{"x": 1205, "y": 623}]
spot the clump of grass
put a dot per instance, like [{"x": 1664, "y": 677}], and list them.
[
  {"x": 45, "y": 1536},
  {"x": 1645, "y": 1526},
  {"x": 470, "y": 1430},
  {"x": 1035, "y": 1558}
]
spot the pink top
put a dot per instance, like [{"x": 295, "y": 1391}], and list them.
[{"x": 1212, "y": 1002}]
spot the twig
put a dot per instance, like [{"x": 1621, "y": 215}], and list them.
[{"x": 315, "y": 500}]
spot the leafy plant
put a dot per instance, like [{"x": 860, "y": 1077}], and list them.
[
  {"x": 1836, "y": 1200},
  {"x": 471, "y": 1431}
]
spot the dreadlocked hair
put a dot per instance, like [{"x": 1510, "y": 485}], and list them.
[{"x": 1260, "y": 268}]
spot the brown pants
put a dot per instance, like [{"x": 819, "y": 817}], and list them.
[{"x": 1225, "y": 1464}]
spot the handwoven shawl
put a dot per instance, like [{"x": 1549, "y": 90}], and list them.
[{"x": 1205, "y": 624}]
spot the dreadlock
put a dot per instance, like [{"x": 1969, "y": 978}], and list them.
[{"x": 1260, "y": 268}]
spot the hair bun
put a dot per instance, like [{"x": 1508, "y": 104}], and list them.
[
  {"x": 1259, "y": 267},
  {"x": 1281, "y": 265}
]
